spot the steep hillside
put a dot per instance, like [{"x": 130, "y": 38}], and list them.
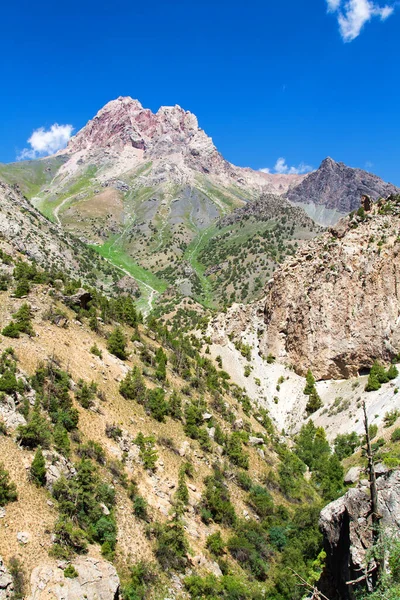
[
  {"x": 32, "y": 235},
  {"x": 126, "y": 445},
  {"x": 335, "y": 189},
  {"x": 249, "y": 244}
]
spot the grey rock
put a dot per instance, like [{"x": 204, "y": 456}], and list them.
[
  {"x": 23, "y": 537},
  {"x": 346, "y": 527},
  {"x": 255, "y": 441},
  {"x": 352, "y": 475},
  {"x": 6, "y": 582},
  {"x": 97, "y": 580}
]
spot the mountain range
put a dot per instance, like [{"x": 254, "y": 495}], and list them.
[{"x": 151, "y": 193}]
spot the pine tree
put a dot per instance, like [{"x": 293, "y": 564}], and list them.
[
  {"x": 38, "y": 468},
  {"x": 117, "y": 344},
  {"x": 310, "y": 383},
  {"x": 314, "y": 402}
]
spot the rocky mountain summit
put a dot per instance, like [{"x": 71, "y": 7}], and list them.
[
  {"x": 131, "y": 134},
  {"x": 335, "y": 189},
  {"x": 334, "y": 307}
]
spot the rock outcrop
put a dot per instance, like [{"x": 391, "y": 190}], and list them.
[
  {"x": 339, "y": 187},
  {"x": 347, "y": 531},
  {"x": 96, "y": 580},
  {"x": 334, "y": 307},
  {"x": 6, "y": 582}
]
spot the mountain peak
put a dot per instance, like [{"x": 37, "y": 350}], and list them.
[{"x": 124, "y": 123}]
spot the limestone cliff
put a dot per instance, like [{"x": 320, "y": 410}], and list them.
[{"x": 334, "y": 306}]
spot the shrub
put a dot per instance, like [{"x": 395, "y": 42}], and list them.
[
  {"x": 140, "y": 508},
  {"x": 70, "y": 572},
  {"x": 249, "y": 546},
  {"x": 96, "y": 351},
  {"x": 215, "y": 544},
  {"x": 395, "y": 437},
  {"x": 148, "y": 453},
  {"x": 35, "y": 433},
  {"x": 261, "y": 501},
  {"x": 346, "y": 444},
  {"x": 156, "y": 404},
  {"x": 86, "y": 393},
  {"x": 8, "y": 491},
  {"x": 234, "y": 450},
  {"x": 216, "y": 500},
  {"x": 18, "y": 577},
  {"x": 38, "y": 469},
  {"x": 244, "y": 480},
  {"x": 171, "y": 548},
  {"x": 391, "y": 417},
  {"x": 23, "y": 319},
  {"x": 11, "y": 330}
]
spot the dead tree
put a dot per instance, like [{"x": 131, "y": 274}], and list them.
[{"x": 376, "y": 517}]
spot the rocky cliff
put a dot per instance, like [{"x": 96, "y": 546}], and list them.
[
  {"x": 347, "y": 530},
  {"x": 334, "y": 307},
  {"x": 335, "y": 189}
]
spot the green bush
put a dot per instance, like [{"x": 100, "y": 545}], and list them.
[
  {"x": 133, "y": 386},
  {"x": 172, "y": 547},
  {"x": 38, "y": 469},
  {"x": 70, "y": 572},
  {"x": 215, "y": 544},
  {"x": 36, "y": 432},
  {"x": 234, "y": 450},
  {"x": 261, "y": 501},
  {"x": 8, "y": 491},
  {"x": 346, "y": 444},
  {"x": 395, "y": 437},
  {"x": 216, "y": 500}
]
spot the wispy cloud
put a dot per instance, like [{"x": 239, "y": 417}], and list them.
[
  {"x": 44, "y": 142},
  {"x": 352, "y": 15},
  {"x": 282, "y": 168}
]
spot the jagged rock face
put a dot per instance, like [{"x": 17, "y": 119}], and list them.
[
  {"x": 96, "y": 580},
  {"x": 124, "y": 122},
  {"x": 339, "y": 187},
  {"x": 334, "y": 307},
  {"x": 347, "y": 530},
  {"x": 124, "y": 135},
  {"x": 6, "y": 582}
]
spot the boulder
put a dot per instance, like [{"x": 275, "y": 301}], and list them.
[
  {"x": 97, "y": 580},
  {"x": 6, "y": 582},
  {"x": 81, "y": 298},
  {"x": 347, "y": 529},
  {"x": 255, "y": 441},
  {"x": 352, "y": 475}
]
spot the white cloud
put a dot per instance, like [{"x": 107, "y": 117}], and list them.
[
  {"x": 352, "y": 15},
  {"x": 333, "y": 5},
  {"x": 44, "y": 142},
  {"x": 282, "y": 168}
]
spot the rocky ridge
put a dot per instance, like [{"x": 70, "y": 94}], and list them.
[{"x": 338, "y": 188}]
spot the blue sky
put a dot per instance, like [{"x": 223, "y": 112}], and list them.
[{"x": 265, "y": 79}]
